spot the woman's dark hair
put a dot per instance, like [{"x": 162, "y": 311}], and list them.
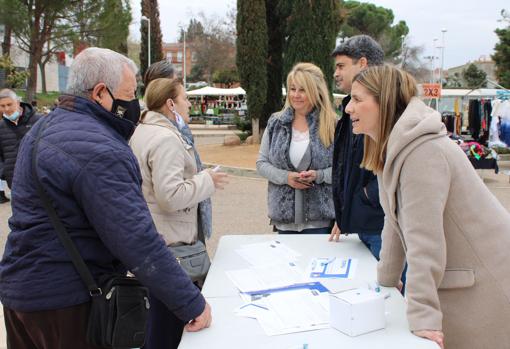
[{"x": 161, "y": 69}]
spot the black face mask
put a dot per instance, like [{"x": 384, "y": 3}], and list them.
[{"x": 129, "y": 110}]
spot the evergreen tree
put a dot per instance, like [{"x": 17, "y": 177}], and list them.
[
  {"x": 312, "y": 29},
  {"x": 114, "y": 23},
  {"x": 276, "y": 16},
  {"x": 502, "y": 52},
  {"x": 150, "y": 9},
  {"x": 475, "y": 77},
  {"x": 251, "y": 56},
  {"x": 194, "y": 32},
  {"x": 376, "y": 21}
]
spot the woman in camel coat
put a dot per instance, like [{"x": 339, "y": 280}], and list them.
[
  {"x": 440, "y": 217},
  {"x": 175, "y": 186}
]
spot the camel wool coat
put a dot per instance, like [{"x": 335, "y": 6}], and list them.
[
  {"x": 170, "y": 182},
  {"x": 454, "y": 234}
]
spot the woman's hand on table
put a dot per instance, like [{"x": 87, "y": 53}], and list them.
[{"x": 435, "y": 336}]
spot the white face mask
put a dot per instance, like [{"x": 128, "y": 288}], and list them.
[{"x": 178, "y": 118}]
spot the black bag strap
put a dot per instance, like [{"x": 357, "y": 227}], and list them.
[{"x": 63, "y": 235}]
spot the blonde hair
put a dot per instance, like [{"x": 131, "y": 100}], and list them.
[
  {"x": 392, "y": 89},
  {"x": 310, "y": 77},
  {"x": 158, "y": 92}
]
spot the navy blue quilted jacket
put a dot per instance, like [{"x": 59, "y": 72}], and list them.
[{"x": 94, "y": 182}]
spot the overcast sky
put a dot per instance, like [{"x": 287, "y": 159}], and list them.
[{"x": 470, "y": 24}]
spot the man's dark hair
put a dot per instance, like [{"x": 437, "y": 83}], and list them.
[
  {"x": 161, "y": 69},
  {"x": 360, "y": 46}
]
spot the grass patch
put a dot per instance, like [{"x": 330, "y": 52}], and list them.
[{"x": 43, "y": 99}]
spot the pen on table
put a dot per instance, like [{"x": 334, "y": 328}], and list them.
[{"x": 216, "y": 169}]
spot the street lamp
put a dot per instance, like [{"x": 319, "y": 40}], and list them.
[
  {"x": 431, "y": 59},
  {"x": 442, "y": 57},
  {"x": 443, "y": 31},
  {"x": 149, "y": 37},
  {"x": 184, "y": 59},
  {"x": 434, "y": 54},
  {"x": 403, "y": 37}
]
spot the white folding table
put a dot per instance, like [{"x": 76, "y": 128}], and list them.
[{"x": 231, "y": 331}]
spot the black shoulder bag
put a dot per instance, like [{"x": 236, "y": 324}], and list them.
[{"x": 119, "y": 308}]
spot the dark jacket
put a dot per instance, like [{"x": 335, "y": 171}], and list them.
[
  {"x": 10, "y": 138},
  {"x": 355, "y": 211},
  {"x": 93, "y": 179}
]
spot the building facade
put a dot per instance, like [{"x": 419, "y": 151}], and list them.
[
  {"x": 174, "y": 52},
  {"x": 483, "y": 63}
]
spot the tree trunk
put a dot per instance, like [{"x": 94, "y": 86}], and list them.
[
  {"x": 32, "y": 79},
  {"x": 6, "y": 44},
  {"x": 255, "y": 130},
  {"x": 42, "y": 68}
]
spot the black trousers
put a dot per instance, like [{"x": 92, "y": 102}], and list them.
[
  {"x": 164, "y": 329},
  {"x": 49, "y": 329}
]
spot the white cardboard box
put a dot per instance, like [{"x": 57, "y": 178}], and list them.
[{"x": 357, "y": 311}]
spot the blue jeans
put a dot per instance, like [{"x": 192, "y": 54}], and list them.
[
  {"x": 326, "y": 230},
  {"x": 373, "y": 243}
]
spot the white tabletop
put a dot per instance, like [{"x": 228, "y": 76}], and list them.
[
  {"x": 218, "y": 284},
  {"x": 231, "y": 331}
]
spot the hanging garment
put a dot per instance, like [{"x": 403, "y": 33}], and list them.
[{"x": 475, "y": 119}]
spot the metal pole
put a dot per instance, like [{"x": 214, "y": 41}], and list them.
[
  {"x": 184, "y": 57},
  {"x": 402, "y": 51},
  {"x": 434, "y": 49},
  {"x": 144, "y": 18},
  {"x": 149, "y": 46},
  {"x": 442, "y": 64},
  {"x": 442, "y": 56}
]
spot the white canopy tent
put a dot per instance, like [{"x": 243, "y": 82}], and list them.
[{"x": 214, "y": 91}]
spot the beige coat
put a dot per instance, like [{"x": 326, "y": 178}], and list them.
[
  {"x": 171, "y": 185},
  {"x": 454, "y": 233}
]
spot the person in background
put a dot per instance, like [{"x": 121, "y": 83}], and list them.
[
  {"x": 440, "y": 217},
  {"x": 296, "y": 153},
  {"x": 161, "y": 69},
  {"x": 93, "y": 180},
  {"x": 175, "y": 185},
  {"x": 18, "y": 119},
  {"x": 355, "y": 191}
]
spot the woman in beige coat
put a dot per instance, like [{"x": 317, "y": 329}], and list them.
[
  {"x": 440, "y": 217},
  {"x": 176, "y": 188}
]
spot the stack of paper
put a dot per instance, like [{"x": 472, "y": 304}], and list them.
[
  {"x": 278, "y": 314},
  {"x": 266, "y": 277},
  {"x": 282, "y": 297},
  {"x": 268, "y": 253}
]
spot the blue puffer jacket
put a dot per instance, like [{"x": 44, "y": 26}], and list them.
[{"x": 94, "y": 182}]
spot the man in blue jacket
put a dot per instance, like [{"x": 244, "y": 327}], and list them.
[
  {"x": 93, "y": 180},
  {"x": 355, "y": 190}
]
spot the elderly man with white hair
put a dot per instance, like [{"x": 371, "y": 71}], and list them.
[
  {"x": 18, "y": 118},
  {"x": 85, "y": 165}
]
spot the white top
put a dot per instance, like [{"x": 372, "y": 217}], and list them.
[{"x": 298, "y": 145}]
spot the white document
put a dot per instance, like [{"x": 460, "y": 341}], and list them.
[
  {"x": 340, "y": 268},
  {"x": 266, "y": 277},
  {"x": 295, "y": 311},
  {"x": 268, "y": 253},
  {"x": 254, "y": 310}
]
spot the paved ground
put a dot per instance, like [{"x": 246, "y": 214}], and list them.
[
  {"x": 241, "y": 207},
  {"x": 243, "y": 156}
]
